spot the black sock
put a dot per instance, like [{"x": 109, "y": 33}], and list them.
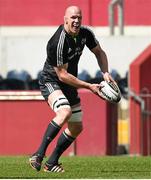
[
  {"x": 50, "y": 133},
  {"x": 63, "y": 143}
]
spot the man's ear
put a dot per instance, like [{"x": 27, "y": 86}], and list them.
[{"x": 65, "y": 20}]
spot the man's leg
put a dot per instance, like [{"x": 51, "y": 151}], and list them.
[
  {"x": 60, "y": 105},
  {"x": 64, "y": 141}
]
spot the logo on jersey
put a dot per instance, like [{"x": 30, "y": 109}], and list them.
[
  {"x": 78, "y": 52},
  {"x": 83, "y": 41},
  {"x": 69, "y": 50}
]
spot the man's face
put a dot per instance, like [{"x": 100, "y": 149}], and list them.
[{"x": 73, "y": 20}]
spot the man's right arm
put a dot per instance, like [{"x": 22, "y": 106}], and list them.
[{"x": 68, "y": 78}]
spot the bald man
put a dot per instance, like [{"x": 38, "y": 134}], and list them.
[{"x": 59, "y": 83}]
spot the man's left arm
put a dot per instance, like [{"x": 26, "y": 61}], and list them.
[{"x": 102, "y": 62}]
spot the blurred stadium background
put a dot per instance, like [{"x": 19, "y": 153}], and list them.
[{"x": 123, "y": 28}]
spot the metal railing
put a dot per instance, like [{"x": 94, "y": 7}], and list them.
[
  {"x": 144, "y": 99},
  {"x": 120, "y": 6}
]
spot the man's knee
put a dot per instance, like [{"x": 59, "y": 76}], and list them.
[{"x": 62, "y": 116}]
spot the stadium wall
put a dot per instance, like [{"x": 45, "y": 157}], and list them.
[
  {"x": 23, "y": 48},
  {"x": 140, "y": 104},
  {"x": 25, "y": 115},
  {"x": 95, "y": 12},
  {"x": 23, "y": 37}
]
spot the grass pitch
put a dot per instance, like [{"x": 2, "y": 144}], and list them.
[{"x": 118, "y": 167}]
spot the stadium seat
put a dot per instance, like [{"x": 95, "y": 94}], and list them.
[
  {"x": 115, "y": 75},
  {"x": 84, "y": 75},
  {"x": 12, "y": 84},
  {"x": 1, "y": 82},
  {"x": 17, "y": 80},
  {"x": 98, "y": 74},
  {"x": 38, "y": 75},
  {"x": 98, "y": 77},
  {"x": 33, "y": 84},
  {"x": 123, "y": 85},
  {"x": 1, "y": 77},
  {"x": 24, "y": 76},
  {"x": 20, "y": 75}
]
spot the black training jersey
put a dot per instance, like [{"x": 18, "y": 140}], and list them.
[{"x": 62, "y": 48}]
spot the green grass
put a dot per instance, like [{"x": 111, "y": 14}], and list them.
[{"x": 118, "y": 167}]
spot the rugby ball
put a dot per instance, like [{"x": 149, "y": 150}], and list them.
[{"x": 110, "y": 91}]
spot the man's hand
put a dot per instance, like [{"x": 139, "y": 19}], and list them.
[
  {"x": 107, "y": 77},
  {"x": 94, "y": 88}
]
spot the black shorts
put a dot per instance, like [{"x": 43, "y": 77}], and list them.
[{"x": 70, "y": 92}]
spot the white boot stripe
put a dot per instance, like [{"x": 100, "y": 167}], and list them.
[
  {"x": 60, "y": 169},
  {"x": 56, "y": 169},
  {"x": 53, "y": 168}
]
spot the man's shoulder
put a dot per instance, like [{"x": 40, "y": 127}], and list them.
[
  {"x": 86, "y": 28},
  {"x": 56, "y": 36},
  {"x": 59, "y": 30}
]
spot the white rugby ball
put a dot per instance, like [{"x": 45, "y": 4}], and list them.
[{"x": 110, "y": 91}]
